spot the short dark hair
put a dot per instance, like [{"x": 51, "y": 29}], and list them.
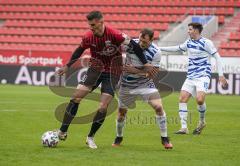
[
  {"x": 94, "y": 15},
  {"x": 197, "y": 26},
  {"x": 147, "y": 31}
]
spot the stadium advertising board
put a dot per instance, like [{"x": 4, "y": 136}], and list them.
[
  {"x": 34, "y": 58},
  {"x": 37, "y": 67},
  {"x": 36, "y": 75},
  {"x": 180, "y": 63}
]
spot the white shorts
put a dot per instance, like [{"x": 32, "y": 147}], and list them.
[
  {"x": 196, "y": 84},
  {"x": 127, "y": 96}
]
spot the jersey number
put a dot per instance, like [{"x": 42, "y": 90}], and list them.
[{"x": 206, "y": 85}]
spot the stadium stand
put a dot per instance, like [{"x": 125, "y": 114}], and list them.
[
  {"x": 59, "y": 24},
  {"x": 231, "y": 45}
]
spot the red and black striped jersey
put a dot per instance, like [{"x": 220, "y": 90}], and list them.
[{"x": 104, "y": 49}]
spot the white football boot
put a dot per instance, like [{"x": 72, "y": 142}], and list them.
[{"x": 90, "y": 142}]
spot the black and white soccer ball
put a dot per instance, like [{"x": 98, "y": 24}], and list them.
[{"x": 50, "y": 139}]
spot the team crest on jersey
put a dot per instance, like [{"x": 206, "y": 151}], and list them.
[
  {"x": 93, "y": 45},
  {"x": 108, "y": 43},
  {"x": 109, "y": 49}
]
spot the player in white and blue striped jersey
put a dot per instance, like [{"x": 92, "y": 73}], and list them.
[
  {"x": 135, "y": 83},
  {"x": 199, "y": 51}
]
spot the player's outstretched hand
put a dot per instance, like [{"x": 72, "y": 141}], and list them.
[
  {"x": 223, "y": 81},
  {"x": 130, "y": 69},
  {"x": 151, "y": 70},
  {"x": 62, "y": 70}
]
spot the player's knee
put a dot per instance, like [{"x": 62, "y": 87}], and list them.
[
  {"x": 183, "y": 99},
  {"x": 76, "y": 97},
  {"x": 121, "y": 114},
  {"x": 102, "y": 110},
  {"x": 200, "y": 100},
  {"x": 76, "y": 100},
  {"x": 121, "y": 118},
  {"x": 158, "y": 109},
  {"x": 103, "y": 105},
  {"x": 80, "y": 93}
]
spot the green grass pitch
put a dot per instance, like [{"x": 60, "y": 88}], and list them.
[{"x": 26, "y": 112}]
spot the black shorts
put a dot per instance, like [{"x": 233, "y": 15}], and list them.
[{"x": 93, "y": 78}]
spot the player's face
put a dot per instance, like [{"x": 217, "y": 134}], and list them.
[
  {"x": 144, "y": 41},
  {"x": 193, "y": 33},
  {"x": 96, "y": 26}
]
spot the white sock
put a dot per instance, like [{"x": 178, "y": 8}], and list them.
[
  {"x": 119, "y": 128},
  {"x": 162, "y": 123},
  {"x": 202, "y": 110},
  {"x": 183, "y": 113}
]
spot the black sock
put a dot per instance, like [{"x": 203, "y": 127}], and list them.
[
  {"x": 70, "y": 113},
  {"x": 97, "y": 121}
]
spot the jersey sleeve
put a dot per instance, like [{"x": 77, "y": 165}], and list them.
[
  {"x": 210, "y": 48},
  {"x": 183, "y": 46},
  {"x": 156, "y": 59},
  {"x": 121, "y": 38},
  {"x": 219, "y": 64},
  {"x": 85, "y": 43}
]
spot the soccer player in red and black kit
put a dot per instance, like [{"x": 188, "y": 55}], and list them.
[{"x": 104, "y": 43}]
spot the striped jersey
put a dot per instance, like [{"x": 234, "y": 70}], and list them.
[
  {"x": 152, "y": 54},
  {"x": 199, "y": 53}
]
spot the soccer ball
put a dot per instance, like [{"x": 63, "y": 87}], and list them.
[{"x": 50, "y": 139}]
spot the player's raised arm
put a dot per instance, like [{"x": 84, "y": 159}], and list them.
[
  {"x": 136, "y": 48},
  {"x": 126, "y": 40},
  {"x": 181, "y": 47},
  {"x": 139, "y": 52},
  {"x": 170, "y": 49}
]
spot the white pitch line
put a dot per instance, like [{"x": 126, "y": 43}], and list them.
[
  {"x": 8, "y": 110},
  {"x": 5, "y": 110}
]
